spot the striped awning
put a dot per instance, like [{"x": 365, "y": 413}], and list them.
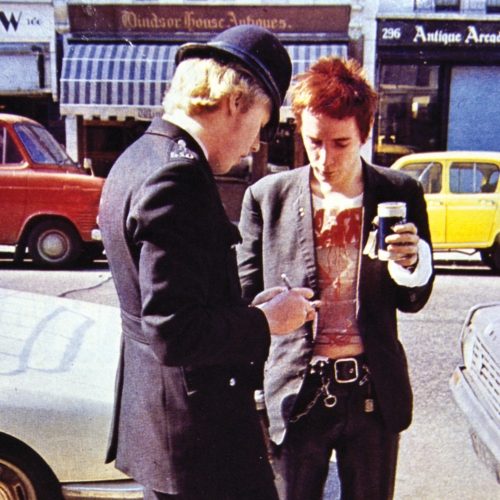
[
  {"x": 303, "y": 56},
  {"x": 120, "y": 81},
  {"x": 115, "y": 80}
]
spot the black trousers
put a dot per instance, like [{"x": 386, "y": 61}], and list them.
[
  {"x": 230, "y": 459},
  {"x": 366, "y": 451},
  {"x": 260, "y": 493}
]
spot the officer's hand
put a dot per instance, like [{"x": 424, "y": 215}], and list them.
[
  {"x": 289, "y": 310},
  {"x": 268, "y": 294}
]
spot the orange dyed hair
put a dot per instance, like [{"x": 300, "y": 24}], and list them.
[{"x": 338, "y": 89}]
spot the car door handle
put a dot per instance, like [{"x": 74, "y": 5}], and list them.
[
  {"x": 487, "y": 202},
  {"x": 435, "y": 202}
]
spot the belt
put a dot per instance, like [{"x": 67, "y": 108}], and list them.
[
  {"x": 343, "y": 370},
  {"x": 217, "y": 377},
  {"x": 334, "y": 375}
]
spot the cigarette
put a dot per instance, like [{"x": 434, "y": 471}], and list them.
[{"x": 285, "y": 279}]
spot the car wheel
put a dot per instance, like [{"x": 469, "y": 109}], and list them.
[
  {"x": 486, "y": 257},
  {"x": 495, "y": 257},
  {"x": 23, "y": 473},
  {"x": 491, "y": 257},
  {"x": 54, "y": 244}
]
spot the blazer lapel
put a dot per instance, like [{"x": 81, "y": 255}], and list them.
[
  {"x": 305, "y": 229},
  {"x": 303, "y": 215},
  {"x": 371, "y": 195}
]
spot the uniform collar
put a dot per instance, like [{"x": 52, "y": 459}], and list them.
[{"x": 189, "y": 125}]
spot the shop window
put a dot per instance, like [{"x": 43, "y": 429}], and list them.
[
  {"x": 424, "y": 5},
  {"x": 447, "y": 5},
  {"x": 23, "y": 70},
  {"x": 493, "y": 6},
  {"x": 281, "y": 149},
  {"x": 408, "y": 118},
  {"x": 105, "y": 141}
]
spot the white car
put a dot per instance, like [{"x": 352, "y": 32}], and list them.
[
  {"x": 58, "y": 359},
  {"x": 475, "y": 384}
]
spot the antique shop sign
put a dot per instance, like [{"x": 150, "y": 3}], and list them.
[
  {"x": 422, "y": 33},
  {"x": 168, "y": 20}
]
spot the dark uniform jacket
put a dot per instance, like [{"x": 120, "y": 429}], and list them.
[
  {"x": 171, "y": 252},
  {"x": 277, "y": 229}
]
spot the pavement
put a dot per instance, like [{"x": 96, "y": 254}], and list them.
[{"x": 96, "y": 285}]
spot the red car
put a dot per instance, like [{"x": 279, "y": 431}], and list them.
[{"x": 48, "y": 203}]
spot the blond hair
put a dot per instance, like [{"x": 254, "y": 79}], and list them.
[{"x": 200, "y": 85}]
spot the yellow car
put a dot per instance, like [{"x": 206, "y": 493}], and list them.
[{"x": 463, "y": 198}]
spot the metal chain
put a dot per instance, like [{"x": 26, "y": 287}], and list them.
[{"x": 330, "y": 399}]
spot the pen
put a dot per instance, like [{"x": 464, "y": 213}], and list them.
[
  {"x": 315, "y": 303},
  {"x": 285, "y": 279}
]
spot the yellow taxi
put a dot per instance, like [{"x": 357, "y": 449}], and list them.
[{"x": 463, "y": 199}]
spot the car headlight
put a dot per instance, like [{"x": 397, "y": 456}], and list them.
[{"x": 468, "y": 342}]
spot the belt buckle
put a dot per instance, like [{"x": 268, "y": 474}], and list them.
[{"x": 337, "y": 374}]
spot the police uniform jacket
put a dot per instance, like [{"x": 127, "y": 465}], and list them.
[
  {"x": 171, "y": 252},
  {"x": 277, "y": 229}
]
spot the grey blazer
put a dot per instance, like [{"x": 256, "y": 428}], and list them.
[
  {"x": 277, "y": 229},
  {"x": 171, "y": 252}
]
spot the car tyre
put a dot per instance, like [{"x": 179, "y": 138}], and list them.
[
  {"x": 491, "y": 257},
  {"x": 23, "y": 473},
  {"x": 495, "y": 257},
  {"x": 486, "y": 257},
  {"x": 54, "y": 244}
]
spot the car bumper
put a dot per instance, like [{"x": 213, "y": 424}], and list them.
[
  {"x": 96, "y": 235},
  {"x": 483, "y": 427},
  {"x": 112, "y": 490}
]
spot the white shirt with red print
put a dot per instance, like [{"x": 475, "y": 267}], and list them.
[{"x": 337, "y": 231}]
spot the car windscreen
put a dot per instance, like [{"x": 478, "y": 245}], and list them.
[{"x": 41, "y": 146}]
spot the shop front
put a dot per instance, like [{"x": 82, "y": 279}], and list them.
[
  {"x": 118, "y": 60},
  {"x": 28, "y": 78},
  {"x": 439, "y": 86}
]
